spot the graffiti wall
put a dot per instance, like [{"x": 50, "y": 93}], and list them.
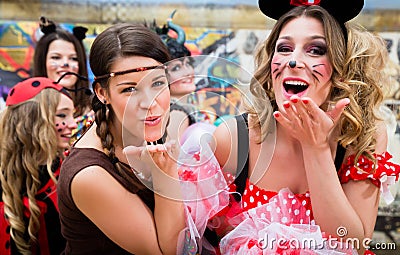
[{"x": 215, "y": 78}]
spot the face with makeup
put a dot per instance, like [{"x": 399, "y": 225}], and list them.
[
  {"x": 64, "y": 121},
  {"x": 181, "y": 76},
  {"x": 301, "y": 40},
  {"x": 139, "y": 99},
  {"x": 61, "y": 58}
]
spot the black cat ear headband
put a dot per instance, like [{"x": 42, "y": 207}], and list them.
[
  {"x": 341, "y": 10},
  {"x": 47, "y": 26}
]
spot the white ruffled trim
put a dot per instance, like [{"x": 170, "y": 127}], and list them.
[{"x": 386, "y": 182}]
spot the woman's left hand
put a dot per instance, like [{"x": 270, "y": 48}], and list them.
[{"x": 307, "y": 122}]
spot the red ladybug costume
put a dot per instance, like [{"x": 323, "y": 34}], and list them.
[{"x": 50, "y": 240}]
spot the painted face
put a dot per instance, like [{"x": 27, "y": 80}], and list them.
[
  {"x": 140, "y": 100},
  {"x": 61, "y": 58},
  {"x": 181, "y": 77},
  {"x": 64, "y": 121},
  {"x": 301, "y": 40}
]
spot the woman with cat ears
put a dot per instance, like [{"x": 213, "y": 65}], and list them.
[
  {"x": 60, "y": 55},
  {"x": 35, "y": 129},
  {"x": 311, "y": 150}
]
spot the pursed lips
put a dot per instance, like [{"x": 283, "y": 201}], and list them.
[{"x": 152, "y": 120}]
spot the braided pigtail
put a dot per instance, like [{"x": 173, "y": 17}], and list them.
[
  {"x": 103, "y": 117},
  {"x": 115, "y": 43}
]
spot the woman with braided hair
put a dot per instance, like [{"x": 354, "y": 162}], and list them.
[
  {"x": 57, "y": 52},
  {"x": 105, "y": 206},
  {"x": 35, "y": 129}
]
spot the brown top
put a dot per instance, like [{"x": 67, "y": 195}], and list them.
[{"x": 82, "y": 235}]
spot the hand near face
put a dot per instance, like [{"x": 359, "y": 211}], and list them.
[
  {"x": 150, "y": 158},
  {"x": 307, "y": 122}
]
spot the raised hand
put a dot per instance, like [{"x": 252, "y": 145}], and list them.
[
  {"x": 149, "y": 158},
  {"x": 307, "y": 122}
]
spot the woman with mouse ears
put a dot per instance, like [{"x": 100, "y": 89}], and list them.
[
  {"x": 59, "y": 52},
  {"x": 105, "y": 206},
  {"x": 309, "y": 157}
]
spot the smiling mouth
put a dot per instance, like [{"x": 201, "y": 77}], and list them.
[
  {"x": 188, "y": 80},
  {"x": 295, "y": 87}
]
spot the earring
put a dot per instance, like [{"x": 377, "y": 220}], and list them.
[
  {"x": 292, "y": 63},
  {"x": 104, "y": 101}
]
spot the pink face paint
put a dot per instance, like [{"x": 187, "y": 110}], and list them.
[
  {"x": 323, "y": 69},
  {"x": 277, "y": 65}
]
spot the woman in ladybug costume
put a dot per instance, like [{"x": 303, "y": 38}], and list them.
[{"x": 35, "y": 129}]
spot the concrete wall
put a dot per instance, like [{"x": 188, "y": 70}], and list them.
[{"x": 213, "y": 16}]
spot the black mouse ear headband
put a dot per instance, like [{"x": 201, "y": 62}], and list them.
[
  {"x": 341, "y": 10},
  {"x": 47, "y": 26}
]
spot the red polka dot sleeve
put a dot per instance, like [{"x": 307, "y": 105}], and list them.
[{"x": 383, "y": 174}]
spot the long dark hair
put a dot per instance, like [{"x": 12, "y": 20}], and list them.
[
  {"x": 80, "y": 98},
  {"x": 121, "y": 40}
]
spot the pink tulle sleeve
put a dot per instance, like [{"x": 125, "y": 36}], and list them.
[{"x": 205, "y": 192}]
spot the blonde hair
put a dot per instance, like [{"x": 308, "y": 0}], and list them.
[
  {"x": 364, "y": 83},
  {"x": 357, "y": 74},
  {"x": 261, "y": 84},
  {"x": 28, "y": 140}
]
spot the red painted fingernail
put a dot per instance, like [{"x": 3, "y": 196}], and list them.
[
  {"x": 286, "y": 105},
  {"x": 294, "y": 100},
  {"x": 305, "y": 101},
  {"x": 277, "y": 114}
]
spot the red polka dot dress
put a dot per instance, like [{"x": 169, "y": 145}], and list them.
[{"x": 283, "y": 215}]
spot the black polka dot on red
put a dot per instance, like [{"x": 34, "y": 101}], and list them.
[{"x": 36, "y": 84}]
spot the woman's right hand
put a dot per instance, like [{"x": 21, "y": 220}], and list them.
[
  {"x": 307, "y": 122},
  {"x": 150, "y": 158}
]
